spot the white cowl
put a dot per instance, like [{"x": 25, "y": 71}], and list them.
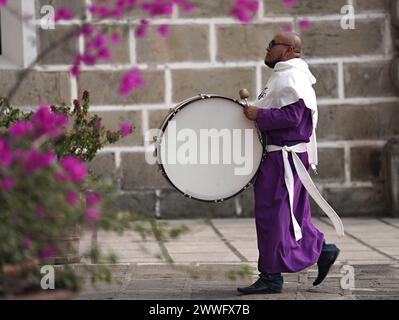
[{"x": 292, "y": 80}]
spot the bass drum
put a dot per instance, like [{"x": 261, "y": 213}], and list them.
[{"x": 207, "y": 149}]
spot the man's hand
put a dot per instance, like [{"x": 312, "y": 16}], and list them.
[{"x": 251, "y": 112}]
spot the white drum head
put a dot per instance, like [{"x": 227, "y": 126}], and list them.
[{"x": 208, "y": 149}]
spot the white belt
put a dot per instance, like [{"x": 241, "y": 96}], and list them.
[{"x": 307, "y": 183}]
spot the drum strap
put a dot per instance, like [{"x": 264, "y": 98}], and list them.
[{"x": 307, "y": 183}]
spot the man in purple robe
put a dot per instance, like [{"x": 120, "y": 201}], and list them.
[{"x": 286, "y": 113}]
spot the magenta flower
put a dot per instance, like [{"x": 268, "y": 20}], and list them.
[
  {"x": 6, "y": 184},
  {"x": 92, "y": 199},
  {"x": 36, "y": 160},
  {"x": 142, "y": 28},
  {"x": 304, "y": 24},
  {"x": 92, "y": 214},
  {"x": 163, "y": 30},
  {"x": 63, "y": 14},
  {"x": 75, "y": 169},
  {"x": 126, "y": 129},
  {"x": 72, "y": 198},
  {"x": 244, "y": 10},
  {"x": 130, "y": 80},
  {"x": 26, "y": 244},
  {"x": 3, "y": 3},
  {"x": 21, "y": 128},
  {"x": 48, "y": 122},
  {"x": 5, "y": 154}
]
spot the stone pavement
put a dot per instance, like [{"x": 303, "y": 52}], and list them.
[{"x": 208, "y": 260}]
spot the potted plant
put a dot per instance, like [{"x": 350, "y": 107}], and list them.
[{"x": 43, "y": 176}]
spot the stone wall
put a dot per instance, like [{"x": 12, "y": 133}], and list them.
[{"x": 209, "y": 52}]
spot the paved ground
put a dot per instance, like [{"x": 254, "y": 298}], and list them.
[{"x": 206, "y": 259}]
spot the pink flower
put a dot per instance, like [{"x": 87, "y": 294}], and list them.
[
  {"x": 72, "y": 198},
  {"x": 5, "y": 154},
  {"x": 304, "y": 24},
  {"x": 48, "y": 122},
  {"x": 130, "y": 80},
  {"x": 63, "y": 14},
  {"x": 289, "y": 3},
  {"x": 21, "y": 128},
  {"x": 163, "y": 30},
  {"x": 244, "y": 10},
  {"x": 6, "y": 184},
  {"x": 92, "y": 214},
  {"x": 142, "y": 28},
  {"x": 104, "y": 54},
  {"x": 126, "y": 129},
  {"x": 3, "y": 3},
  {"x": 36, "y": 160},
  {"x": 76, "y": 169},
  {"x": 92, "y": 199},
  {"x": 26, "y": 244}
]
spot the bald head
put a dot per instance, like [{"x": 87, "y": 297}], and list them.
[
  {"x": 283, "y": 47},
  {"x": 291, "y": 38}
]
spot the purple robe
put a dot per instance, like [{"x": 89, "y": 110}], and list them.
[{"x": 278, "y": 249}]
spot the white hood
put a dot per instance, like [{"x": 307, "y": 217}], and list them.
[{"x": 292, "y": 80}]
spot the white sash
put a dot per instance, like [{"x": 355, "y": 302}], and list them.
[{"x": 307, "y": 183}]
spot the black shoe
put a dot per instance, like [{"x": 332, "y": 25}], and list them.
[
  {"x": 267, "y": 283},
  {"x": 327, "y": 258}
]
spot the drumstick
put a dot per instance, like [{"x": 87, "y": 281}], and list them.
[{"x": 244, "y": 94}]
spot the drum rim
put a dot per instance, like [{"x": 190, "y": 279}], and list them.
[{"x": 162, "y": 129}]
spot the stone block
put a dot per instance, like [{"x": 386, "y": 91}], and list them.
[
  {"x": 183, "y": 43},
  {"x": 327, "y": 80},
  {"x": 113, "y": 120},
  {"x": 368, "y": 80},
  {"x": 119, "y": 52},
  {"x": 104, "y": 87},
  {"x": 351, "y": 122},
  {"x": 142, "y": 203},
  {"x": 137, "y": 174},
  {"x": 358, "y": 202},
  {"x": 223, "y": 81},
  {"x": 306, "y": 7},
  {"x": 37, "y": 87},
  {"x": 104, "y": 165},
  {"x": 63, "y": 51},
  {"x": 366, "y": 164},
  {"x": 331, "y": 166},
  {"x": 371, "y": 5},
  {"x": 77, "y": 7},
  {"x": 245, "y": 42},
  {"x": 328, "y": 39},
  {"x": 208, "y": 9},
  {"x": 156, "y": 118}
]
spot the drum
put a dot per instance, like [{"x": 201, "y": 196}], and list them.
[{"x": 207, "y": 149}]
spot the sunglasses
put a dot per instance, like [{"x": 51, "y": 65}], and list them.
[{"x": 274, "y": 43}]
